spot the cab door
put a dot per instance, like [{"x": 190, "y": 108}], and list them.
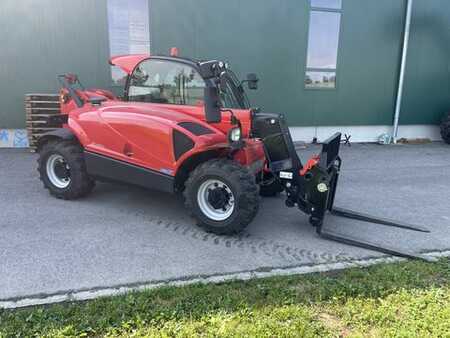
[
  {"x": 160, "y": 81},
  {"x": 165, "y": 88}
]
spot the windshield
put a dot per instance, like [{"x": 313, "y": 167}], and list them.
[{"x": 232, "y": 94}]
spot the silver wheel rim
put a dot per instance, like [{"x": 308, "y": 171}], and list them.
[
  {"x": 215, "y": 214},
  {"x": 52, "y": 163}
]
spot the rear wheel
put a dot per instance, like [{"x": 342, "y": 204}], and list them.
[
  {"x": 445, "y": 128},
  {"x": 222, "y": 196},
  {"x": 62, "y": 170}
]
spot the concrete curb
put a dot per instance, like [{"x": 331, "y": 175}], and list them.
[{"x": 82, "y": 295}]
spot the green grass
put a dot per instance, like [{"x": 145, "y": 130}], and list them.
[{"x": 409, "y": 299}]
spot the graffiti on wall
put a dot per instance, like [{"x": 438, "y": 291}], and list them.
[{"x": 13, "y": 138}]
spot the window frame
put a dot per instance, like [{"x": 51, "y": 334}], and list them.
[
  {"x": 209, "y": 82},
  {"x": 323, "y": 70},
  {"x": 161, "y": 59},
  {"x": 326, "y": 9}
]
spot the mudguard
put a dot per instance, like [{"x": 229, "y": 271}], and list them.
[{"x": 60, "y": 133}]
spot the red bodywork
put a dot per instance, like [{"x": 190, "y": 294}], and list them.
[{"x": 141, "y": 133}]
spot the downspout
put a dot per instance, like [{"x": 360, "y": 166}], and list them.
[{"x": 401, "y": 79}]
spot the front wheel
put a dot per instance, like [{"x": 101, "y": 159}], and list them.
[{"x": 222, "y": 196}]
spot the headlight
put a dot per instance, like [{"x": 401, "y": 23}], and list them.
[{"x": 234, "y": 135}]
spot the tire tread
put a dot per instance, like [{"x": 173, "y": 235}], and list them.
[
  {"x": 249, "y": 197},
  {"x": 82, "y": 185}
]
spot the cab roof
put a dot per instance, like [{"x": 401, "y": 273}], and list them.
[{"x": 128, "y": 62}]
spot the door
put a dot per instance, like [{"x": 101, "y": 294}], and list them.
[{"x": 159, "y": 93}]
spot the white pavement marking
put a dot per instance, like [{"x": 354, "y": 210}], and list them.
[{"x": 240, "y": 276}]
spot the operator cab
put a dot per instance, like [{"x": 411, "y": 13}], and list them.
[{"x": 182, "y": 81}]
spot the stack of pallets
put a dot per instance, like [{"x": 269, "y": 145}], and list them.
[{"x": 38, "y": 108}]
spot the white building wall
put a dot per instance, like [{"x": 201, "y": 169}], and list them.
[{"x": 17, "y": 138}]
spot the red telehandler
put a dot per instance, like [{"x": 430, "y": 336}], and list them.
[{"x": 186, "y": 126}]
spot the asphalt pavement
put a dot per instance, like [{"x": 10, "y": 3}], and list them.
[{"x": 122, "y": 236}]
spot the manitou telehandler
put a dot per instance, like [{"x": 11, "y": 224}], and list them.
[{"x": 186, "y": 126}]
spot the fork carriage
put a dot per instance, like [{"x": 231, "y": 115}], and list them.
[{"x": 312, "y": 186}]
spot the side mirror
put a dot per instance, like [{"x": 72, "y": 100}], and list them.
[
  {"x": 212, "y": 105},
  {"x": 252, "y": 80}
]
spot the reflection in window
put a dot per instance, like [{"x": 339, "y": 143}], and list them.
[
  {"x": 227, "y": 97},
  {"x": 166, "y": 82},
  {"x": 323, "y": 44},
  {"x": 314, "y": 79},
  {"x": 323, "y": 39},
  {"x": 327, "y": 4}
]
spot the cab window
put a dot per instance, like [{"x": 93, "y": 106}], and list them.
[
  {"x": 167, "y": 82},
  {"x": 227, "y": 97}
]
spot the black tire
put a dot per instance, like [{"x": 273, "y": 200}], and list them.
[
  {"x": 445, "y": 128},
  {"x": 80, "y": 183},
  {"x": 270, "y": 187},
  {"x": 240, "y": 182}
]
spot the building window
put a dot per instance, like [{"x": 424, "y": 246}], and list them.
[
  {"x": 316, "y": 79},
  {"x": 323, "y": 44},
  {"x": 129, "y": 31},
  {"x": 326, "y": 4}
]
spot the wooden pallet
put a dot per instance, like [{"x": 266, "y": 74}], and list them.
[
  {"x": 45, "y": 105},
  {"x": 38, "y": 109},
  {"x": 41, "y": 97}
]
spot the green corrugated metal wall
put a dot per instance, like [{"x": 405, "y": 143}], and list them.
[
  {"x": 42, "y": 39},
  {"x": 427, "y": 80}
]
